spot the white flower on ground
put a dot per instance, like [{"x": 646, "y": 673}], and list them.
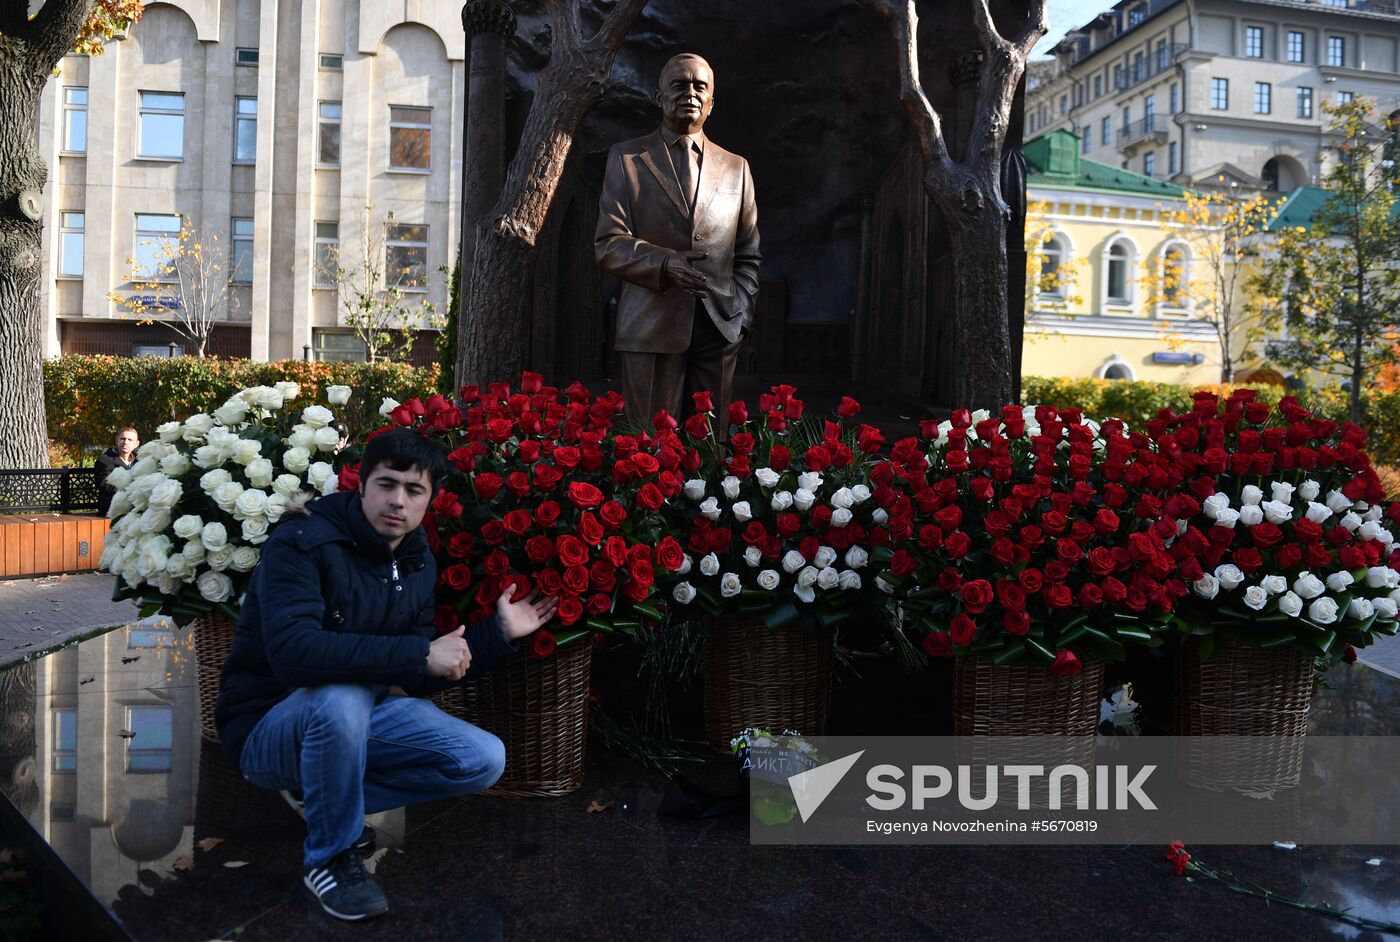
[
  {"x": 753, "y": 556},
  {"x": 1308, "y": 586},
  {"x": 178, "y": 567},
  {"x": 824, "y": 557},
  {"x": 210, "y": 481},
  {"x": 1274, "y": 584},
  {"x": 850, "y": 579},
  {"x": 1318, "y": 513},
  {"x": 213, "y": 536},
  {"x": 1360, "y": 609},
  {"x": 729, "y": 487},
  {"x": 250, "y": 503},
  {"x": 694, "y": 489},
  {"x": 1323, "y": 611},
  {"x": 743, "y": 512},
  {"x": 193, "y": 551},
  {"x": 1213, "y": 504},
  {"x": 215, "y": 586},
  {"x": 1290, "y": 604},
  {"x": 709, "y": 565},
  {"x": 1338, "y": 581},
  {"x": 809, "y": 481},
  {"x": 1250, "y": 494},
  {"x": 317, "y": 416},
  {"x": 388, "y": 405},
  {"x": 841, "y": 517},
  {"x": 769, "y": 579},
  {"x": 1256, "y": 597},
  {"x": 729, "y": 585},
  {"x": 226, "y": 495},
  {"x": 1207, "y": 587},
  {"x": 828, "y": 579},
  {"x": 803, "y": 499},
  {"x": 781, "y": 501},
  {"x": 188, "y": 526},
  {"x": 1251, "y": 515},
  {"x": 683, "y": 593},
  {"x": 767, "y": 477},
  {"x": 709, "y": 507},
  {"x": 856, "y": 557},
  {"x": 793, "y": 561},
  {"x": 1229, "y": 576},
  {"x": 1277, "y": 512},
  {"x": 208, "y": 456},
  {"x": 1309, "y": 489},
  {"x": 337, "y": 395},
  {"x": 247, "y": 450}
]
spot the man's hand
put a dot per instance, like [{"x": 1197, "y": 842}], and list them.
[
  {"x": 683, "y": 273},
  {"x": 520, "y": 618},
  {"x": 449, "y": 656}
]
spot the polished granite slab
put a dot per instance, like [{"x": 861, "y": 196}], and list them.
[{"x": 155, "y": 837}]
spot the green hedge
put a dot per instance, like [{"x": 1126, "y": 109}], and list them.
[
  {"x": 87, "y": 398},
  {"x": 1136, "y": 401}
]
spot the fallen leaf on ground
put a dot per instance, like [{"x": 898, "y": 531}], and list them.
[
  {"x": 595, "y": 806},
  {"x": 209, "y": 843},
  {"x": 235, "y": 864},
  {"x": 185, "y": 863},
  {"x": 372, "y": 861}
]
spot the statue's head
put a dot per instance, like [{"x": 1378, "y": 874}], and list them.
[{"x": 686, "y": 93}]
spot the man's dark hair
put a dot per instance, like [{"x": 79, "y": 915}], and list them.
[{"x": 403, "y": 449}]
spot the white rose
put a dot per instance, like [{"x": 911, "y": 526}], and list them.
[
  {"x": 1308, "y": 586},
  {"x": 730, "y": 486},
  {"x": 317, "y": 416},
  {"x": 337, "y": 395},
  {"x": 1338, "y": 502},
  {"x": 219, "y": 559},
  {"x": 856, "y": 557},
  {"x": 226, "y": 495},
  {"x": 296, "y": 460},
  {"x": 208, "y": 456},
  {"x": 1323, "y": 611},
  {"x": 1251, "y": 515},
  {"x": 289, "y": 390},
  {"x": 143, "y": 468},
  {"x": 174, "y": 465},
  {"x": 1274, "y": 584},
  {"x": 303, "y": 436},
  {"x": 188, "y": 526},
  {"x": 1309, "y": 489},
  {"x": 709, "y": 564},
  {"x": 259, "y": 472},
  {"x": 694, "y": 489},
  {"x": 286, "y": 484},
  {"x": 276, "y": 507},
  {"x": 824, "y": 557},
  {"x": 330, "y": 485},
  {"x": 809, "y": 481},
  {"x": 683, "y": 593},
  {"x": 1351, "y": 521},
  {"x": 1318, "y": 513},
  {"x": 793, "y": 561},
  {"x": 244, "y": 559},
  {"x": 1370, "y": 530},
  {"x": 1282, "y": 491},
  {"x": 753, "y": 556},
  {"x": 769, "y": 580},
  {"x": 197, "y": 426},
  {"x": 213, "y": 536},
  {"x": 850, "y": 580},
  {"x": 1229, "y": 576},
  {"x": 1338, "y": 581},
  {"x": 169, "y": 431},
  {"x": 1374, "y": 512},
  {"x": 743, "y": 512},
  {"x": 1290, "y": 604},
  {"x": 1227, "y": 518},
  {"x": 807, "y": 576},
  {"x": 841, "y": 517},
  {"x": 1361, "y": 609},
  {"x": 211, "y": 481},
  {"x": 843, "y": 498},
  {"x": 231, "y": 412},
  {"x": 121, "y": 503},
  {"x": 254, "y": 530},
  {"x": 767, "y": 477},
  {"x": 1207, "y": 587},
  {"x": 1382, "y": 577},
  {"x": 1256, "y": 598},
  {"x": 709, "y": 507},
  {"x": 828, "y": 579},
  {"x": 151, "y": 561},
  {"x": 1277, "y": 512},
  {"x": 1250, "y": 494},
  {"x": 119, "y": 478},
  {"x": 805, "y": 593},
  {"x": 879, "y": 517},
  {"x": 166, "y": 494},
  {"x": 884, "y": 586},
  {"x": 389, "y": 405},
  {"x": 686, "y": 563},
  {"x": 729, "y": 585},
  {"x": 781, "y": 501},
  {"x": 179, "y": 567},
  {"x": 1213, "y": 504},
  {"x": 215, "y": 586},
  {"x": 246, "y": 450},
  {"x": 317, "y": 473},
  {"x": 1386, "y": 609},
  {"x": 803, "y": 499},
  {"x": 861, "y": 493},
  {"x": 250, "y": 503},
  {"x": 193, "y": 551},
  {"x": 326, "y": 439}
]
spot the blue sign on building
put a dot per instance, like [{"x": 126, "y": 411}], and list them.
[
  {"x": 168, "y": 302},
  {"x": 1186, "y": 359}
]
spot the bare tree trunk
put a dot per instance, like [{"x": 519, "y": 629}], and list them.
[{"x": 984, "y": 378}]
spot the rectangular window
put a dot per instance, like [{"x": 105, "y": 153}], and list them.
[
  {"x": 1127, "y": 117},
  {"x": 1098, "y": 86},
  {"x": 65, "y": 738},
  {"x": 410, "y": 137},
  {"x": 151, "y": 747},
  {"x": 1064, "y": 104},
  {"x": 1172, "y": 165},
  {"x": 327, "y": 254},
  {"x": 1035, "y": 118},
  {"x": 241, "y": 240},
  {"x": 332, "y": 62},
  {"x": 245, "y": 130},
  {"x": 1088, "y": 143},
  {"x": 328, "y": 134},
  {"x": 70, "y": 249},
  {"x": 1336, "y": 51},
  {"x": 1149, "y": 164},
  {"x": 1106, "y": 135},
  {"x": 1305, "y": 102},
  {"x": 157, "y": 241},
  {"x": 1297, "y": 46},
  {"x": 1161, "y": 54},
  {"x": 1219, "y": 94},
  {"x": 162, "y": 125},
  {"x": 1149, "y": 110},
  {"x": 406, "y": 256},
  {"x": 75, "y": 101},
  {"x": 1254, "y": 42},
  {"x": 244, "y": 56},
  {"x": 1174, "y": 93},
  {"x": 337, "y": 346},
  {"x": 1344, "y": 98},
  {"x": 1136, "y": 16},
  {"x": 1263, "y": 97}
]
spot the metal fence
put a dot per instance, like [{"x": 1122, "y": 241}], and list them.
[{"x": 56, "y": 490}]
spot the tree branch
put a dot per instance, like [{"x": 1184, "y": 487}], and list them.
[
  {"x": 50, "y": 34},
  {"x": 1003, "y": 64},
  {"x": 928, "y": 126},
  {"x": 615, "y": 27},
  {"x": 564, "y": 29}
]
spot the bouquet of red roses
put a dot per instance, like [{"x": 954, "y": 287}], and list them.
[
  {"x": 1026, "y": 539},
  {"x": 541, "y": 493}
]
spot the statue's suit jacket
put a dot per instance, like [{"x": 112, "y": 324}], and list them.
[{"x": 643, "y": 219}]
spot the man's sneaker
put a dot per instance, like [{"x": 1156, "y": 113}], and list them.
[
  {"x": 364, "y": 844},
  {"x": 345, "y": 889}
]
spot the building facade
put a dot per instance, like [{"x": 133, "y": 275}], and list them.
[
  {"x": 286, "y": 131},
  {"x": 1195, "y": 90},
  {"x": 1097, "y": 249}
]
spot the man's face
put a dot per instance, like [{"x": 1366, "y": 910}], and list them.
[
  {"x": 127, "y": 443},
  {"x": 686, "y": 93},
  {"x": 394, "y": 502}
]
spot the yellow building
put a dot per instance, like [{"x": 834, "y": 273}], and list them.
[{"x": 1096, "y": 238}]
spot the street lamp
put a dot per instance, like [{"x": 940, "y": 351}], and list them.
[
  {"x": 173, "y": 347},
  {"x": 306, "y": 352}
]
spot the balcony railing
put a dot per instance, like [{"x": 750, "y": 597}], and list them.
[
  {"x": 1143, "y": 69},
  {"x": 1152, "y": 124}
]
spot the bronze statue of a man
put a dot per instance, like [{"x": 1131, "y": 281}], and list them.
[{"x": 678, "y": 224}]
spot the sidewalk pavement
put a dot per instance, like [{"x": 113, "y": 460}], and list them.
[{"x": 39, "y": 614}]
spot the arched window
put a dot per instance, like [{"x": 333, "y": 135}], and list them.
[
  {"x": 1052, "y": 258},
  {"x": 1118, "y": 281},
  {"x": 1115, "y": 367},
  {"x": 1175, "y": 271}
]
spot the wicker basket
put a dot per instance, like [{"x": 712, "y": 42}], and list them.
[
  {"x": 539, "y": 709},
  {"x": 1248, "y": 692},
  {"x": 766, "y": 678},
  {"x": 213, "y": 637},
  {"x": 1022, "y": 699}
]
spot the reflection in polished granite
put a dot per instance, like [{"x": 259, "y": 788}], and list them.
[{"x": 128, "y": 816}]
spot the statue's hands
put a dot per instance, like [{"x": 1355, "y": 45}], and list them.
[{"x": 683, "y": 273}]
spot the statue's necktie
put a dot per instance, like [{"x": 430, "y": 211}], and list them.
[{"x": 687, "y": 169}]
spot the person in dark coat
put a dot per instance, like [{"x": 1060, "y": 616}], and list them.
[
  {"x": 339, "y": 610},
  {"x": 121, "y": 455}
]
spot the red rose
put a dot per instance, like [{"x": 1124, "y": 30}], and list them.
[
  {"x": 640, "y": 572},
  {"x": 550, "y": 582},
  {"x": 496, "y": 564},
  {"x": 1068, "y": 551},
  {"x": 518, "y": 521},
  {"x": 949, "y": 517},
  {"x": 589, "y": 529},
  {"x": 938, "y": 644},
  {"x": 650, "y": 497},
  {"x": 1350, "y": 556},
  {"x": 738, "y": 413},
  {"x": 962, "y": 629},
  {"x": 1248, "y": 559},
  {"x": 982, "y": 488},
  {"x": 499, "y": 430},
  {"x": 698, "y": 425},
  {"x": 1106, "y": 521},
  {"x": 779, "y": 457},
  {"x": 584, "y": 495},
  {"x": 1066, "y": 664},
  {"x": 703, "y": 401},
  {"x": 1011, "y": 595},
  {"x": 949, "y": 580},
  {"x": 669, "y": 555},
  {"x": 1031, "y": 580},
  {"x": 1016, "y": 623},
  {"x": 602, "y": 575},
  {"x": 1090, "y": 596},
  {"x": 493, "y": 532},
  {"x": 598, "y": 603},
  {"x": 976, "y": 595},
  {"x": 447, "y": 506},
  {"x": 570, "y": 610},
  {"x": 742, "y": 443},
  {"x": 788, "y": 524},
  {"x": 1101, "y": 561},
  {"x": 539, "y": 549},
  {"x": 460, "y": 546},
  {"x": 847, "y": 408},
  {"x": 1114, "y": 590},
  {"x": 1058, "y": 595},
  {"x": 902, "y": 563},
  {"x": 457, "y": 577},
  {"x": 547, "y": 477},
  {"x": 518, "y": 483},
  {"x": 543, "y": 645},
  {"x": 1003, "y": 551},
  {"x": 572, "y": 551},
  {"x": 349, "y": 477},
  {"x": 576, "y": 580},
  {"x": 957, "y": 544},
  {"x": 515, "y": 587},
  {"x": 1265, "y": 535}
]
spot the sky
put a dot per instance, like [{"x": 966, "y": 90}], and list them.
[{"x": 1065, "y": 15}]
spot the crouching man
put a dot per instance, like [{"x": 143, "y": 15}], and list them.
[{"x": 340, "y": 609}]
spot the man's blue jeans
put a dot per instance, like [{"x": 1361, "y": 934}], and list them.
[{"x": 351, "y": 758}]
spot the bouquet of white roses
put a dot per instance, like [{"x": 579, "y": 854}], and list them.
[{"x": 189, "y": 516}]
